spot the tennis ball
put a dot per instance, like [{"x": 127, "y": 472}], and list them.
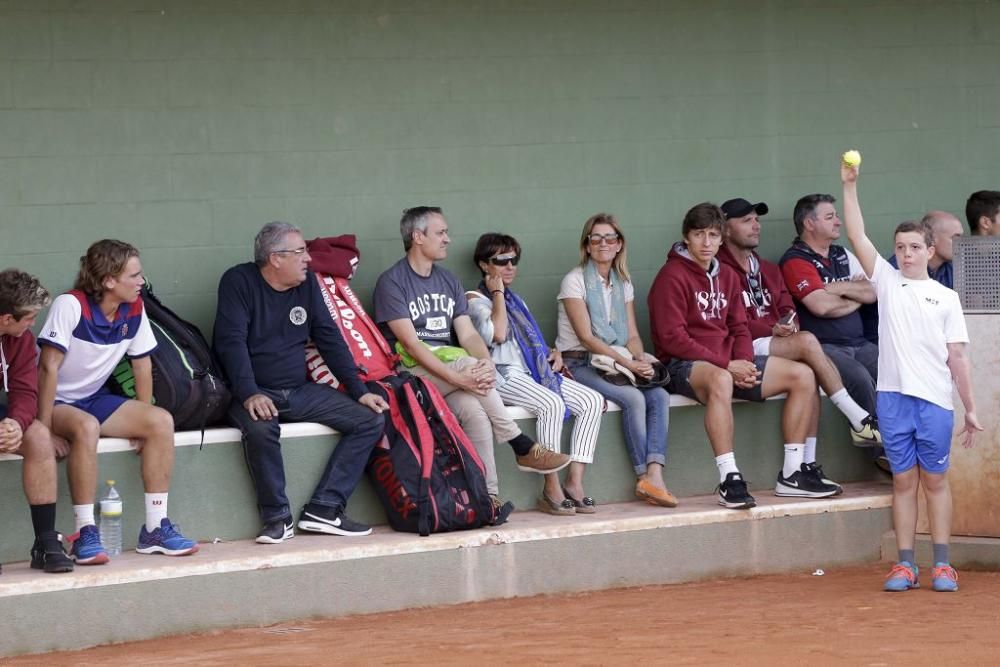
[{"x": 851, "y": 158}]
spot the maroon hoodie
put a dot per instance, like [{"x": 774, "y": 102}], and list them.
[
  {"x": 336, "y": 256},
  {"x": 690, "y": 315},
  {"x": 21, "y": 378},
  {"x": 775, "y": 301}
]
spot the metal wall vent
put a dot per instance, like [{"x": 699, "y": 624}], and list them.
[{"x": 977, "y": 272}]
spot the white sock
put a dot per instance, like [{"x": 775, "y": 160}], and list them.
[
  {"x": 156, "y": 509},
  {"x": 84, "y": 515},
  {"x": 793, "y": 459},
  {"x": 809, "y": 453},
  {"x": 727, "y": 464},
  {"x": 854, "y": 412}
]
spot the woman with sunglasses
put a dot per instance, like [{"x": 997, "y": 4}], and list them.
[
  {"x": 528, "y": 372},
  {"x": 596, "y": 312}
]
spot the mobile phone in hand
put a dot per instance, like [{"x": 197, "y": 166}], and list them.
[{"x": 788, "y": 319}]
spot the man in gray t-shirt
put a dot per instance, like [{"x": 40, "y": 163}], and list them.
[{"x": 420, "y": 306}]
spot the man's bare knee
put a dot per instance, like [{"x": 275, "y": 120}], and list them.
[{"x": 717, "y": 385}]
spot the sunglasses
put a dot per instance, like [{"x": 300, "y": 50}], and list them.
[
  {"x": 756, "y": 289},
  {"x": 599, "y": 239},
  {"x": 504, "y": 260}
]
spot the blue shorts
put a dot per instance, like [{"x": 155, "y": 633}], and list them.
[
  {"x": 914, "y": 431},
  {"x": 100, "y": 405}
]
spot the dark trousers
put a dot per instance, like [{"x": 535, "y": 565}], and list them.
[
  {"x": 360, "y": 429},
  {"x": 858, "y": 366}
]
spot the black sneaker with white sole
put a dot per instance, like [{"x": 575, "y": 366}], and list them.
[
  {"x": 331, "y": 521},
  {"x": 276, "y": 532},
  {"x": 733, "y": 493},
  {"x": 817, "y": 470},
  {"x": 803, "y": 483}
]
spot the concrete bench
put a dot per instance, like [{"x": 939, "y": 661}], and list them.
[{"x": 212, "y": 496}]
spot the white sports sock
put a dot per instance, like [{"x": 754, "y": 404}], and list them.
[
  {"x": 809, "y": 453},
  {"x": 156, "y": 509},
  {"x": 854, "y": 412},
  {"x": 793, "y": 459},
  {"x": 84, "y": 515},
  {"x": 727, "y": 464}
]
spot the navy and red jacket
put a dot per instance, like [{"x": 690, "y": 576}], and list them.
[
  {"x": 696, "y": 315},
  {"x": 768, "y": 305}
]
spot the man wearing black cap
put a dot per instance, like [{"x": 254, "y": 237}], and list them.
[
  {"x": 771, "y": 317},
  {"x": 829, "y": 287}
]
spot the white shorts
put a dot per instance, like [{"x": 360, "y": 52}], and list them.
[{"x": 762, "y": 346}]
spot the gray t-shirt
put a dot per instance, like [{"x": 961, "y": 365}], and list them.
[{"x": 431, "y": 303}]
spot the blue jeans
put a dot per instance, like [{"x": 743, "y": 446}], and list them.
[
  {"x": 360, "y": 430},
  {"x": 645, "y": 414}
]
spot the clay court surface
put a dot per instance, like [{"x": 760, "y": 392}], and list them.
[{"x": 836, "y": 619}]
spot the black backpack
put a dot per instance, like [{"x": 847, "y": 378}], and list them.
[
  {"x": 424, "y": 470},
  {"x": 186, "y": 380}
]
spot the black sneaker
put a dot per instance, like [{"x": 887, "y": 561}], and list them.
[
  {"x": 733, "y": 493},
  {"x": 276, "y": 532},
  {"x": 817, "y": 470},
  {"x": 47, "y": 553},
  {"x": 501, "y": 510},
  {"x": 330, "y": 520},
  {"x": 803, "y": 483}
]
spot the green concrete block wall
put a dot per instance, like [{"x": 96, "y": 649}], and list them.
[{"x": 184, "y": 126}]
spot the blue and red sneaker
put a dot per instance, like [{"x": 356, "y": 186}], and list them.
[
  {"x": 86, "y": 547},
  {"x": 902, "y": 577},
  {"x": 165, "y": 540}
]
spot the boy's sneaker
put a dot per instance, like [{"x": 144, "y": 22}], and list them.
[
  {"x": 331, "y": 521},
  {"x": 803, "y": 483},
  {"x": 817, "y": 470},
  {"x": 86, "y": 548},
  {"x": 868, "y": 436},
  {"x": 165, "y": 540},
  {"x": 47, "y": 553},
  {"x": 902, "y": 577},
  {"x": 944, "y": 578},
  {"x": 733, "y": 493},
  {"x": 501, "y": 510},
  {"x": 881, "y": 460},
  {"x": 276, "y": 532},
  {"x": 542, "y": 460}
]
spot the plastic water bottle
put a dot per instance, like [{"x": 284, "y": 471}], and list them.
[{"x": 111, "y": 519}]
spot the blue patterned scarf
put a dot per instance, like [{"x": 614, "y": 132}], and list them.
[{"x": 529, "y": 338}]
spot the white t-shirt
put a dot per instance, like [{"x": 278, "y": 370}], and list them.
[
  {"x": 574, "y": 287},
  {"x": 917, "y": 320},
  {"x": 93, "y": 345}
]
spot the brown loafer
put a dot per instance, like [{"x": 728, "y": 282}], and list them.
[{"x": 654, "y": 495}]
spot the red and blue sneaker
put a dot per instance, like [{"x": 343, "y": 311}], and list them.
[
  {"x": 165, "y": 540},
  {"x": 902, "y": 577},
  {"x": 944, "y": 578},
  {"x": 86, "y": 547}
]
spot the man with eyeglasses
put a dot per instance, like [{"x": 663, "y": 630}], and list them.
[
  {"x": 421, "y": 309},
  {"x": 771, "y": 317},
  {"x": 267, "y": 311}
]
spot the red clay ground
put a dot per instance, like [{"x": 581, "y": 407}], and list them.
[{"x": 840, "y": 618}]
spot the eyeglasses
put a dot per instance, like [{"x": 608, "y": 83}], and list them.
[
  {"x": 298, "y": 252},
  {"x": 504, "y": 260},
  {"x": 600, "y": 239}
]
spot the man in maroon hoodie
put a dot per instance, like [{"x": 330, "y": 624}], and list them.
[
  {"x": 700, "y": 331},
  {"x": 771, "y": 317},
  {"x": 21, "y": 297}
]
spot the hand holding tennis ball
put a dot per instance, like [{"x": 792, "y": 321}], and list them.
[{"x": 851, "y": 158}]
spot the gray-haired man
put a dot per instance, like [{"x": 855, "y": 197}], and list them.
[{"x": 267, "y": 310}]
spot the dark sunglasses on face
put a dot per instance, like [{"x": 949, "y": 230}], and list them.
[
  {"x": 597, "y": 239},
  {"x": 505, "y": 260}
]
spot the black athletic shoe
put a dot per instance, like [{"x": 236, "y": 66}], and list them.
[
  {"x": 803, "y": 483},
  {"x": 817, "y": 469},
  {"x": 733, "y": 493},
  {"x": 276, "y": 532},
  {"x": 47, "y": 553},
  {"x": 331, "y": 521},
  {"x": 501, "y": 510}
]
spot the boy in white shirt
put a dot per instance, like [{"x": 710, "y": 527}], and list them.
[{"x": 922, "y": 340}]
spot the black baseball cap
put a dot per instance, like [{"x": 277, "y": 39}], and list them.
[{"x": 737, "y": 208}]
